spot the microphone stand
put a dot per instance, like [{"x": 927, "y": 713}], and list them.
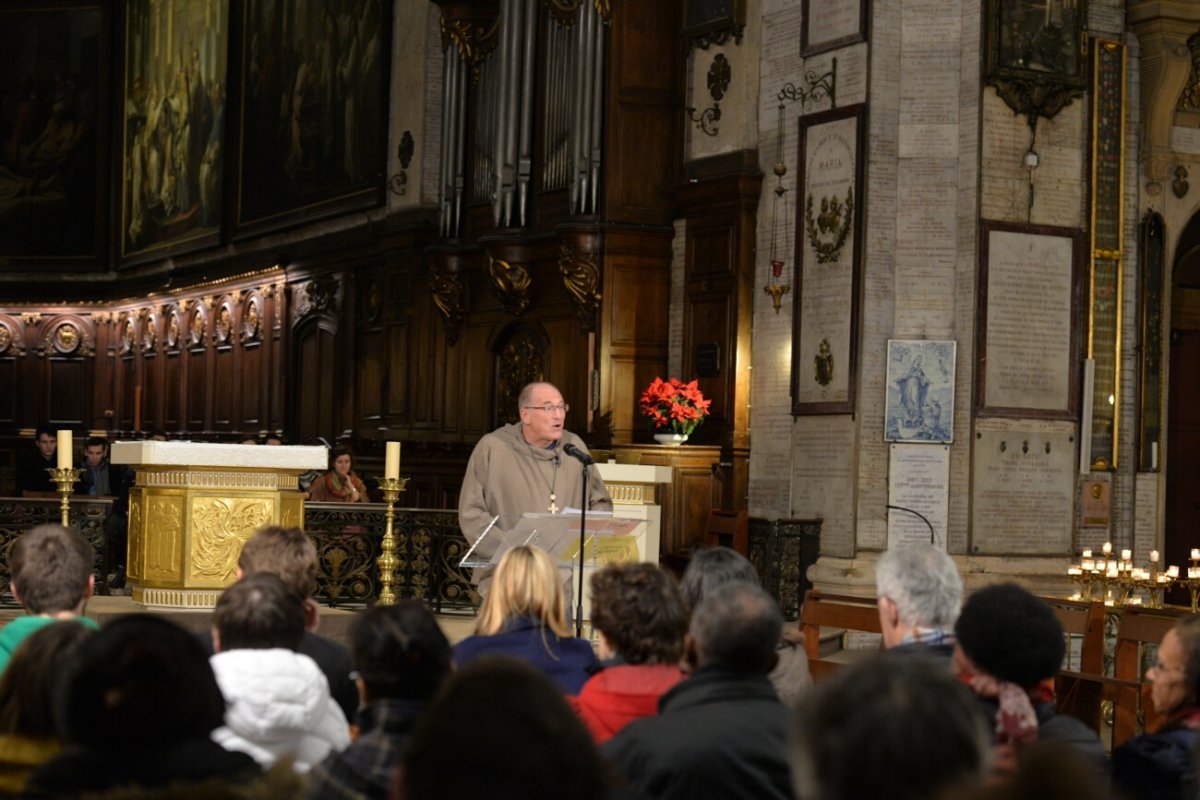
[{"x": 582, "y": 541}]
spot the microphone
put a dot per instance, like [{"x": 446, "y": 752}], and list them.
[{"x": 576, "y": 453}]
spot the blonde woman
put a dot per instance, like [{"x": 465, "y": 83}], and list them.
[{"x": 524, "y": 616}]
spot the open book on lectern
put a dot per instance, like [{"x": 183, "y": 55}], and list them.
[{"x": 606, "y": 539}]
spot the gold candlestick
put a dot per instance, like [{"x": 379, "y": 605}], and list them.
[
  {"x": 65, "y": 477},
  {"x": 391, "y": 487}
]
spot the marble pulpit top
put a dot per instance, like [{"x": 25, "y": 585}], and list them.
[{"x": 208, "y": 454}]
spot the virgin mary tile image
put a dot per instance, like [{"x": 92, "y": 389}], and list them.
[{"x": 920, "y": 391}]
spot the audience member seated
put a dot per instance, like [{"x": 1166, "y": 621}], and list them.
[
  {"x": 401, "y": 658},
  {"x": 919, "y": 592},
  {"x": 524, "y": 616},
  {"x": 1010, "y": 647},
  {"x": 98, "y": 477},
  {"x": 339, "y": 484},
  {"x": 278, "y": 702},
  {"x": 52, "y": 577},
  {"x": 893, "y": 726},
  {"x": 27, "y": 691},
  {"x": 525, "y": 743},
  {"x": 641, "y": 620},
  {"x": 716, "y": 566},
  {"x": 721, "y": 732},
  {"x": 1162, "y": 765},
  {"x": 289, "y": 554},
  {"x": 136, "y": 718},
  {"x": 33, "y": 462}
]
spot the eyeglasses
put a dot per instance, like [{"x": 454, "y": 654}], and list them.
[
  {"x": 550, "y": 408},
  {"x": 1162, "y": 668}
]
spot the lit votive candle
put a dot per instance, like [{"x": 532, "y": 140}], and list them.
[
  {"x": 1126, "y": 555},
  {"x": 1088, "y": 565},
  {"x": 1195, "y": 554},
  {"x": 1106, "y": 548},
  {"x": 1087, "y": 553},
  {"x": 1153, "y": 556},
  {"x": 1074, "y": 571},
  {"x": 1172, "y": 572}
]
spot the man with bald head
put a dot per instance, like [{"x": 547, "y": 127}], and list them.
[{"x": 521, "y": 468}]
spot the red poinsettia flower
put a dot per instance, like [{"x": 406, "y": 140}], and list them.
[{"x": 674, "y": 405}]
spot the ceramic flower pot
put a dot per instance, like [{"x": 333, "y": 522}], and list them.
[{"x": 671, "y": 439}]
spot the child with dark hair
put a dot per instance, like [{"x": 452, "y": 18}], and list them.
[
  {"x": 27, "y": 691},
  {"x": 1010, "y": 646},
  {"x": 138, "y": 710},
  {"x": 641, "y": 620},
  {"x": 401, "y": 659},
  {"x": 279, "y": 702},
  {"x": 52, "y": 577}
]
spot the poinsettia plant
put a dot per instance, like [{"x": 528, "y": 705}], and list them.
[{"x": 674, "y": 405}]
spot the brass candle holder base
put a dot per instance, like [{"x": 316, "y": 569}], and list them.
[
  {"x": 391, "y": 487},
  {"x": 65, "y": 478}
]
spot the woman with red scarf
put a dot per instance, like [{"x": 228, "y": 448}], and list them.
[
  {"x": 1161, "y": 765},
  {"x": 339, "y": 484},
  {"x": 1009, "y": 648}
]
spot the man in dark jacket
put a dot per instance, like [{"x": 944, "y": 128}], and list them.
[
  {"x": 33, "y": 463},
  {"x": 721, "y": 732}
]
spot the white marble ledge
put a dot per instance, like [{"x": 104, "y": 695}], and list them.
[
  {"x": 633, "y": 473},
  {"x": 208, "y": 454}
]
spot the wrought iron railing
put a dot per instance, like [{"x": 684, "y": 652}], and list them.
[
  {"x": 19, "y": 514},
  {"x": 429, "y": 546}
]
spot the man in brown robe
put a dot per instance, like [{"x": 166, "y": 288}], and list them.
[{"x": 521, "y": 468}]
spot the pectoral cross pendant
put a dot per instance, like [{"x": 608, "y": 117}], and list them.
[{"x": 553, "y": 507}]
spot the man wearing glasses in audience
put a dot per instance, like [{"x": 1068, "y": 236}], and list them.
[{"x": 523, "y": 468}]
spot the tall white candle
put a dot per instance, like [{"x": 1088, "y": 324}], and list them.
[
  {"x": 64, "y": 449},
  {"x": 1154, "y": 556},
  {"x": 1106, "y": 548},
  {"x": 391, "y": 463}
]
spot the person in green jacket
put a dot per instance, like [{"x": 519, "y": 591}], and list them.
[{"x": 52, "y": 578}]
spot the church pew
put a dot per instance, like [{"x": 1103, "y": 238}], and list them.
[{"x": 821, "y": 610}]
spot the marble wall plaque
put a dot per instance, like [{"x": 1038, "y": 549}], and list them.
[
  {"x": 918, "y": 479},
  {"x": 1023, "y": 492},
  {"x": 1028, "y": 335},
  {"x": 832, "y": 23}
]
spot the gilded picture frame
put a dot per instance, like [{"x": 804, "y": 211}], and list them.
[
  {"x": 313, "y": 130},
  {"x": 173, "y": 135},
  {"x": 55, "y": 134}
]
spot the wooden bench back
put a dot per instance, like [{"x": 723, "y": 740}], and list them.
[
  {"x": 833, "y": 611},
  {"x": 728, "y": 529}
]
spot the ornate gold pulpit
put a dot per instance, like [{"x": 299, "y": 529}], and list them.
[{"x": 194, "y": 504}]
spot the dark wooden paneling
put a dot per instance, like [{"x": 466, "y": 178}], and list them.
[
  {"x": 152, "y": 386},
  {"x": 12, "y": 390},
  {"x": 66, "y": 394},
  {"x": 197, "y": 390},
  {"x": 225, "y": 388},
  {"x": 369, "y": 373},
  {"x": 252, "y": 377},
  {"x": 126, "y": 383},
  {"x": 398, "y": 344},
  {"x": 172, "y": 392},
  {"x": 315, "y": 402}
]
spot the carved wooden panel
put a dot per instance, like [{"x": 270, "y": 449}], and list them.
[
  {"x": 369, "y": 374},
  {"x": 127, "y": 384},
  {"x": 251, "y": 378},
  {"x": 197, "y": 385},
  {"x": 8, "y": 398},
  {"x": 65, "y": 403},
  {"x": 398, "y": 384}
]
